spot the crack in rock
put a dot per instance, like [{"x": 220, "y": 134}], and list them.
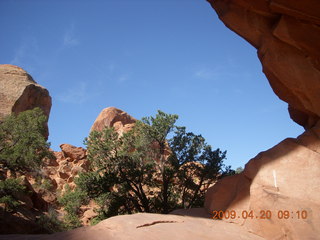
[{"x": 155, "y": 222}]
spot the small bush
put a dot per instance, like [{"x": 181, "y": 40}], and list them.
[
  {"x": 22, "y": 142},
  {"x": 10, "y": 203},
  {"x": 8, "y": 189},
  {"x": 71, "y": 201}
]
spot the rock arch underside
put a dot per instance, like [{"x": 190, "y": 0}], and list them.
[{"x": 286, "y": 34}]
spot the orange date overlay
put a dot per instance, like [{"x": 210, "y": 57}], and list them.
[{"x": 262, "y": 214}]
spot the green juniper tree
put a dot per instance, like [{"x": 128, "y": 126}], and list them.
[
  {"x": 22, "y": 142},
  {"x": 22, "y": 149},
  {"x": 156, "y": 131},
  {"x": 144, "y": 170},
  {"x": 200, "y": 166}
]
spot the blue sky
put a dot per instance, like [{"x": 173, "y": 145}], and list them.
[{"x": 141, "y": 56}]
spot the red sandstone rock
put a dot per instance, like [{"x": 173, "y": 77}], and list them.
[
  {"x": 74, "y": 153},
  {"x": 227, "y": 189},
  {"x": 19, "y": 92},
  {"x": 113, "y": 117},
  {"x": 286, "y": 177},
  {"x": 70, "y": 162},
  {"x": 51, "y": 162},
  {"x": 87, "y": 216},
  {"x": 150, "y": 226},
  {"x": 63, "y": 175}
]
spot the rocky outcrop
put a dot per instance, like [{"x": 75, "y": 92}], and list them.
[
  {"x": 287, "y": 37},
  {"x": 19, "y": 92},
  {"x": 66, "y": 167},
  {"x": 43, "y": 190},
  {"x": 277, "y": 194},
  {"x": 113, "y": 117}
]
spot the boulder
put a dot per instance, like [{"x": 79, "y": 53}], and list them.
[
  {"x": 74, "y": 153},
  {"x": 113, "y": 117},
  {"x": 19, "y": 92}
]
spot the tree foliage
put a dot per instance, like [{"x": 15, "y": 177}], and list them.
[
  {"x": 9, "y": 188},
  {"x": 22, "y": 142},
  {"x": 200, "y": 166},
  {"x": 22, "y": 149},
  {"x": 72, "y": 200},
  {"x": 145, "y": 171}
]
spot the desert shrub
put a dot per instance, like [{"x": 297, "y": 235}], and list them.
[
  {"x": 8, "y": 190},
  {"x": 71, "y": 200}
]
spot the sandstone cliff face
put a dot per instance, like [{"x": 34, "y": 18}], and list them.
[
  {"x": 287, "y": 37},
  {"x": 19, "y": 92},
  {"x": 286, "y": 177}
]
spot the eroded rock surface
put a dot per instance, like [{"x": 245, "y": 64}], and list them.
[
  {"x": 19, "y": 92},
  {"x": 113, "y": 117},
  {"x": 287, "y": 37},
  {"x": 66, "y": 167},
  {"x": 285, "y": 177}
]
